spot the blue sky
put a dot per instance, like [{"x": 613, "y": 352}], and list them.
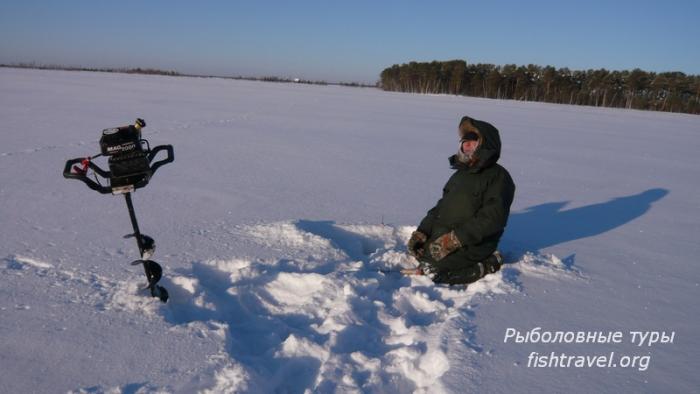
[{"x": 349, "y": 40}]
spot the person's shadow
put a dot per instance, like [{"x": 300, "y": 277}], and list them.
[{"x": 547, "y": 224}]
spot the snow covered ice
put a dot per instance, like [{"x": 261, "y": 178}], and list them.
[{"x": 283, "y": 217}]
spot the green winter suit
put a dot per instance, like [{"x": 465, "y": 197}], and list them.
[{"x": 475, "y": 205}]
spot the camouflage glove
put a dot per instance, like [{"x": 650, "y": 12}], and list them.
[
  {"x": 444, "y": 245},
  {"x": 416, "y": 244}
]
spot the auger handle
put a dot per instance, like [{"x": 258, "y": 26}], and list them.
[
  {"x": 69, "y": 174},
  {"x": 169, "y": 159}
]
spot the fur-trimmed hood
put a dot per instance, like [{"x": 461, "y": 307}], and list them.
[{"x": 489, "y": 150}]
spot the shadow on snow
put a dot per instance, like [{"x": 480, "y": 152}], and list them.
[{"x": 547, "y": 225}]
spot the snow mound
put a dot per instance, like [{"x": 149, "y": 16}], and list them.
[{"x": 332, "y": 314}]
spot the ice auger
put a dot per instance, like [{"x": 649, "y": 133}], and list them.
[{"x": 131, "y": 166}]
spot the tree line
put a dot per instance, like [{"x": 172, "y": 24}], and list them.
[
  {"x": 636, "y": 89},
  {"x": 137, "y": 70},
  {"x": 154, "y": 71}
]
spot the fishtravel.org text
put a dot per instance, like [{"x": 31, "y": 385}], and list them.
[{"x": 608, "y": 360}]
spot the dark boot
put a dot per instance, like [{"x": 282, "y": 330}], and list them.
[
  {"x": 493, "y": 263},
  {"x": 464, "y": 275}
]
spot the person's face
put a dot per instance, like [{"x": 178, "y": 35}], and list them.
[{"x": 469, "y": 146}]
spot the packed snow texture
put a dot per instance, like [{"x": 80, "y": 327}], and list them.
[{"x": 281, "y": 227}]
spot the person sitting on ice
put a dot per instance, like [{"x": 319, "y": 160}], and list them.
[{"x": 456, "y": 241}]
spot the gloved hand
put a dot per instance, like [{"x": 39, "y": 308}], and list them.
[
  {"x": 416, "y": 244},
  {"x": 444, "y": 245}
]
